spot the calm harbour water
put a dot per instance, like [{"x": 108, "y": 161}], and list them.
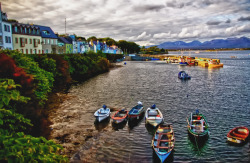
[{"x": 222, "y": 95}]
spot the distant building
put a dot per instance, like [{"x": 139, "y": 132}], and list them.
[
  {"x": 49, "y": 40},
  {"x": 64, "y": 46},
  {"x": 5, "y": 31},
  {"x": 26, "y": 38}
]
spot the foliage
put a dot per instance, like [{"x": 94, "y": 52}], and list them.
[
  {"x": 128, "y": 47},
  {"x": 8, "y": 92},
  {"x": 114, "y": 57},
  {"x": 153, "y": 50},
  {"x": 93, "y": 38},
  {"x": 25, "y": 148},
  {"x": 43, "y": 79},
  {"x": 11, "y": 122},
  {"x": 45, "y": 63},
  {"x": 109, "y": 41}
]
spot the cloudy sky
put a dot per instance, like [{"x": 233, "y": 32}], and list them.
[{"x": 146, "y": 22}]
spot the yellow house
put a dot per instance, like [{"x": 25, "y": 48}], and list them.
[{"x": 26, "y": 38}]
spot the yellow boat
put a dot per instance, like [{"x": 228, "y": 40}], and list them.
[{"x": 214, "y": 63}]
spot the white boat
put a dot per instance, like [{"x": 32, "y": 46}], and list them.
[
  {"x": 153, "y": 116},
  {"x": 102, "y": 113}
]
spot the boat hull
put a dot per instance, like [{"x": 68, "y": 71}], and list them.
[
  {"x": 102, "y": 114},
  {"x": 238, "y": 135}
]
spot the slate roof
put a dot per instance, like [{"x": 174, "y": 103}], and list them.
[
  {"x": 46, "y": 32},
  {"x": 64, "y": 40}
]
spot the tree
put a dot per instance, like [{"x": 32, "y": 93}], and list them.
[{"x": 93, "y": 38}]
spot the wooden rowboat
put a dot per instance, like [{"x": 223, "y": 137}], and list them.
[
  {"x": 153, "y": 116},
  {"x": 102, "y": 113},
  {"x": 197, "y": 126},
  {"x": 120, "y": 116},
  {"x": 238, "y": 135},
  {"x": 163, "y": 141},
  {"x": 136, "y": 112}
]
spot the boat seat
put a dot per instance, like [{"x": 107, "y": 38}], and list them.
[{"x": 153, "y": 112}]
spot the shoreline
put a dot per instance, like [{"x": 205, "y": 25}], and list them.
[{"x": 70, "y": 138}]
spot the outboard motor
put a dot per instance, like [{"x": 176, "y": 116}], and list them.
[
  {"x": 104, "y": 107},
  {"x": 153, "y": 106}
]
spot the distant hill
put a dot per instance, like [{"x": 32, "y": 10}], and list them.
[{"x": 242, "y": 42}]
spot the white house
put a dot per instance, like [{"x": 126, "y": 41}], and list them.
[{"x": 5, "y": 32}]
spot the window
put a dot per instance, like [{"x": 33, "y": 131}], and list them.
[
  {"x": 29, "y": 31},
  {"x": 44, "y": 41},
  {"x": 52, "y": 42},
  {"x": 39, "y": 51},
  {"x": 21, "y": 30},
  {"x": 26, "y": 41},
  {"x": 21, "y": 50},
  {"x": 6, "y": 39},
  {"x": 22, "y": 42},
  {"x": 35, "y": 43},
  {"x": 38, "y": 41},
  {"x": 56, "y": 42},
  {"x": 30, "y": 51},
  {"x": 15, "y": 29},
  {"x": 48, "y": 41},
  {"x": 35, "y": 51},
  {"x": 34, "y": 31},
  {"x": 27, "y": 51},
  {"x": 5, "y": 27},
  {"x": 30, "y": 41},
  {"x": 38, "y": 32},
  {"x": 16, "y": 40},
  {"x": 9, "y": 39}
]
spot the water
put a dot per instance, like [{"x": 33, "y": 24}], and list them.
[{"x": 222, "y": 95}]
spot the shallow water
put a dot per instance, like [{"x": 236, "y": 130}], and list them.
[{"x": 222, "y": 95}]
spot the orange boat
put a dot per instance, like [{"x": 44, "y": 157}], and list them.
[
  {"x": 238, "y": 135},
  {"x": 120, "y": 116}
]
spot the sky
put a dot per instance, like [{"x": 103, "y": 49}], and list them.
[{"x": 146, "y": 22}]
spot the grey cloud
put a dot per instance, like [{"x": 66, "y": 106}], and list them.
[
  {"x": 213, "y": 22},
  {"x": 228, "y": 21},
  {"x": 145, "y": 8},
  {"x": 244, "y": 18}
]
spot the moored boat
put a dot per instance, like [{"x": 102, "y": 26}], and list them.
[
  {"x": 153, "y": 116},
  {"x": 238, "y": 135},
  {"x": 197, "y": 126},
  {"x": 182, "y": 62},
  {"x": 163, "y": 141},
  {"x": 102, "y": 113},
  {"x": 136, "y": 111},
  {"x": 183, "y": 75},
  {"x": 120, "y": 116}
]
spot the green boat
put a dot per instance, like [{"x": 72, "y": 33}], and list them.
[{"x": 197, "y": 126}]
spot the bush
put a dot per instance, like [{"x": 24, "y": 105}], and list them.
[{"x": 43, "y": 80}]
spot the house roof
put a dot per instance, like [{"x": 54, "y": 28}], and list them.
[
  {"x": 46, "y": 32},
  {"x": 63, "y": 40}
]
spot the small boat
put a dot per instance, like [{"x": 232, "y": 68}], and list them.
[
  {"x": 153, "y": 116},
  {"x": 183, "y": 75},
  {"x": 163, "y": 141},
  {"x": 197, "y": 126},
  {"x": 238, "y": 135},
  {"x": 120, "y": 116},
  {"x": 136, "y": 111},
  {"x": 102, "y": 113},
  {"x": 182, "y": 62}
]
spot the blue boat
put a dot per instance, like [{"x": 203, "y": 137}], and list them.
[
  {"x": 183, "y": 75},
  {"x": 163, "y": 141},
  {"x": 136, "y": 111}
]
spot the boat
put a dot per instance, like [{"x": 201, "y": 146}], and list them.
[
  {"x": 214, "y": 64},
  {"x": 136, "y": 111},
  {"x": 183, "y": 75},
  {"x": 120, "y": 116},
  {"x": 238, "y": 135},
  {"x": 163, "y": 141},
  {"x": 182, "y": 62},
  {"x": 191, "y": 61},
  {"x": 153, "y": 116},
  {"x": 102, "y": 113},
  {"x": 197, "y": 126}
]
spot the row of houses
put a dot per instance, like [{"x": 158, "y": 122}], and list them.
[{"x": 38, "y": 39}]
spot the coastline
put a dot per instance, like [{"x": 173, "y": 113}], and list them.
[{"x": 58, "y": 126}]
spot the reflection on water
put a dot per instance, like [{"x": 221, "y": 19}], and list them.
[
  {"x": 118, "y": 126},
  {"x": 222, "y": 95},
  {"x": 101, "y": 125}
]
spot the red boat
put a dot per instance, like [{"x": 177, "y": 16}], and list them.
[
  {"x": 120, "y": 116},
  {"x": 238, "y": 135}
]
